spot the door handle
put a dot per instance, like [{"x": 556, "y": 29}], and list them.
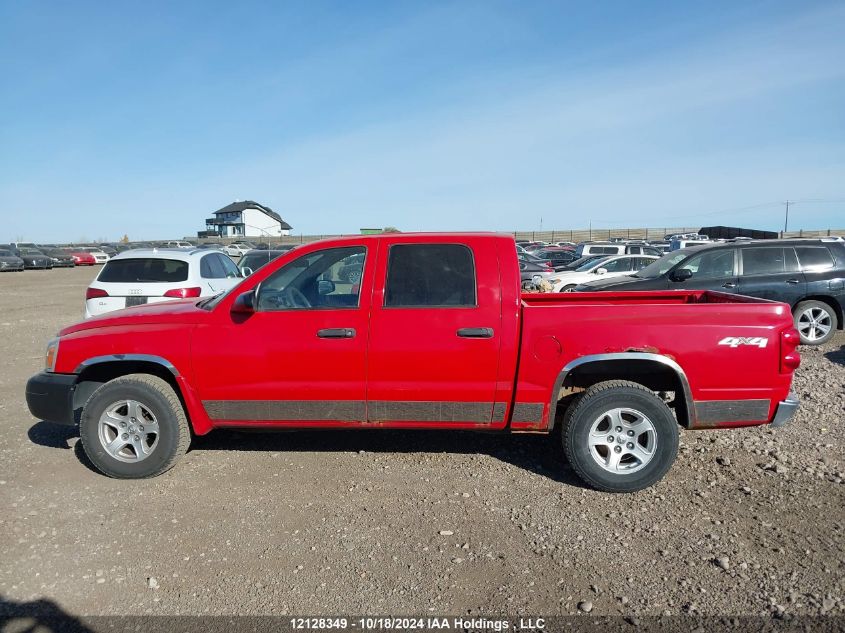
[
  {"x": 729, "y": 284},
  {"x": 337, "y": 332},
  {"x": 792, "y": 281},
  {"x": 475, "y": 332}
]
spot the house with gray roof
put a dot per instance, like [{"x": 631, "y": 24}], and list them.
[{"x": 245, "y": 218}]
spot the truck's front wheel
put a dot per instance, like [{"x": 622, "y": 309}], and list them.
[
  {"x": 134, "y": 427},
  {"x": 619, "y": 436}
]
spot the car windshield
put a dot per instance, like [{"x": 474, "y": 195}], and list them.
[
  {"x": 5, "y": 253},
  {"x": 144, "y": 270},
  {"x": 662, "y": 265},
  {"x": 31, "y": 251},
  {"x": 593, "y": 263}
]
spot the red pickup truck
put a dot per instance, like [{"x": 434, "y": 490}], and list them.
[{"x": 435, "y": 334}]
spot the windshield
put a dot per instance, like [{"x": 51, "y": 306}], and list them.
[
  {"x": 147, "y": 270},
  {"x": 4, "y": 253},
  {"x": 31, "y": 251},
  {"x": 662, "y": 265},
  {"x": 594, "y": 263}
]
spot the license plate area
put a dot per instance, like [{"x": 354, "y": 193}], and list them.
[{"x": 135, "y": 301}]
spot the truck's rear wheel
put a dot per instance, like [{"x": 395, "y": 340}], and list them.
[
  {"x": 134, "y": 427},
  {"x": 619, "y": 437}
]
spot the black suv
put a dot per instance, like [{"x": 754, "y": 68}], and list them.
[{"x": 809, "y": 275}]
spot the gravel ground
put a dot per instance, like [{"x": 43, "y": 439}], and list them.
[{"x": 380, "y": 522}]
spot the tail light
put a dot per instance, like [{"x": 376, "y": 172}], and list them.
[
  {"x": 183, "y": 293},
  {"x": 95, "y": 293},
  {"x": 789, "y": 357}
]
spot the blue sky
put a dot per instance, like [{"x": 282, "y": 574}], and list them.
[{"x": 142, "y": 118}]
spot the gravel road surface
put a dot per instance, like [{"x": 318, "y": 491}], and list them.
[{"x": 748, "y": 522}]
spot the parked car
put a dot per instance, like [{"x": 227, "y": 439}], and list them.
[
  {"x": 574, "y": 265},
  {"x": 606, "y": 267},
  {"x": 534, "y": 271},
  {"x": 350, "y": 271},
  {"x": 557, "y": 257},
  {"x": 257, "y": 258},
  {"x": 676, "y": 245},
  {"x": 535, "y": 246},
  {"x": 99, "y": 256},
  {"x": 108, "y": 249},
  {"x": 81, "y": 258},
  {"x": 436, "y": 336},
  {"x": 33, "y": 258},
  {"x": 615, "y": 248},
  {"x": 237, "y": 249},
  {"x": 9, "y": 261},
  {"x": 178, "y": 244},
  {"x": 59, "y": 257},
  {"x": 808, "y": 275},
  {"x": 139, "y": 277}
]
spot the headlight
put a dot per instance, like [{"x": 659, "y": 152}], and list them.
[
  {"x": 52, "y": 355},
  {"x": 554, "y": 280}
]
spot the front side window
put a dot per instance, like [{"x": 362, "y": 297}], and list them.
[
  {"x": 622, "y": 264},
  {"x": 228, "y": 266},
  {"x": 712, "y": 264},
  {"x": 430, "y": 275},
  {"x": 312, "y": 281}
]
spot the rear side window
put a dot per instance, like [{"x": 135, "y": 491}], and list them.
[
  {"x": 430, "y": 275},
  {"x": 211, "y": 268},
  {"x": 814, "y": 258},
  {"x": 762, "y": 261},
  {"x": 130, "y": 271}
]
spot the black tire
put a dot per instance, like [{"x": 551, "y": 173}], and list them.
[
  {"x": 587, "y": 408},
  {"x": 568, "y": 288},
  {"x": 354, "y": 276},
  {"x": 807, "y": 331},
  {"x": 159, "y": 398}
]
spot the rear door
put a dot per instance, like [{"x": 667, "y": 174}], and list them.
[
  {"x": 435, "y": 333},
  {"x": 771, "y": 272}
]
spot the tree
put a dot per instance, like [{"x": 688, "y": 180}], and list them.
[
  {"x": 390, "y": 229},
  {"x": 125, "y": 239}
]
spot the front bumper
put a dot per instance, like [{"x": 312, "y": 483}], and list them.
[
  {"x": 50, "y": 397},
  {"x": 786, "y": 409}
]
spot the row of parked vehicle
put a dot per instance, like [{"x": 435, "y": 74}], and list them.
[{"x": 807, "y": 274}]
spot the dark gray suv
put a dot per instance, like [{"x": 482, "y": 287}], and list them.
[{"x": 809, "y": 275}]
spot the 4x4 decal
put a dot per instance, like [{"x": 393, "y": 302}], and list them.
[{"x": 736, "y": 341}]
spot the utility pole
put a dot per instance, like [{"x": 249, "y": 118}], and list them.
[{"x": 786, "y": 219}]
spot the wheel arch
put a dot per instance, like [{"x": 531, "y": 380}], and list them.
[
  {"x": 828, "y": 300},
  {"x": 99, "y": 370},
  {"x": 654, "y": 371}
]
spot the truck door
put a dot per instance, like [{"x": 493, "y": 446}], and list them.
[
  {"x": 435, "y": 333},
  {"x": 301, "y": 356}
]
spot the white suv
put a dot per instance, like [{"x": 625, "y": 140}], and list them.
[
  {"x": 237, "y": 249},
  {"x": 613, "y": 266},
  {"x": 138, "y": 277}
]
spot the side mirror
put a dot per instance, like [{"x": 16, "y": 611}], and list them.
[
  {"x": 682, "y": 274},
  {"x": 245, "y": 303},
  {"x": 325, "y": 287},
  {"x": 246, "y": 271},
  {"x": 601, "y": 271}
]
